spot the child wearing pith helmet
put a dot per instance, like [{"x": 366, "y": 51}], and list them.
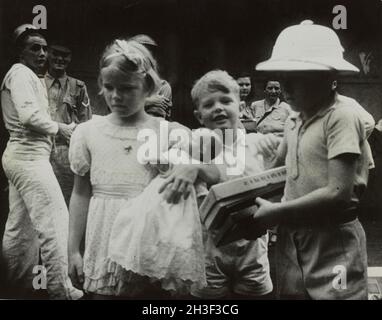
[{"x": 321, "y": 248}]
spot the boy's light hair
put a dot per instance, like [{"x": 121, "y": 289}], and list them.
[{"x": 216, "y": 80}]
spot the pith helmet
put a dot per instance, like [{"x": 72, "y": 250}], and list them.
[
  {"x": 307, "y": 47},
  {"x": 23, "y": 29}
]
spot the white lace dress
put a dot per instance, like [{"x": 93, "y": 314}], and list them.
[
  {"x": 109, "y": 152},
  {"x": 160, "y": 241}
]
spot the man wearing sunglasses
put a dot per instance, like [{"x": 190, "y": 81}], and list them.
[{"x": 68, "y": 103}]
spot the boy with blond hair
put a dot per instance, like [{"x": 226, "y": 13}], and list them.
[{"x": 241, "y": 268}]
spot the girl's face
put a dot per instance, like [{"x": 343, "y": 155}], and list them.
[{"x": 125, "y": 93}]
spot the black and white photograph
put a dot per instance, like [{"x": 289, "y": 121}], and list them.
[{"x": 201, "y": 152}]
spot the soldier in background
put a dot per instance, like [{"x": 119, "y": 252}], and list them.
[{"x": 69, "y": 104}]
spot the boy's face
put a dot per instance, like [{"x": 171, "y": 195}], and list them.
[
  {"x": 307, "y": 90},
  {"x": 218, "y": 110},
  {"x": 245, "y": 86}
]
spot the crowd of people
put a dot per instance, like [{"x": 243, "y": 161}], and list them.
[{"x": 107, "y": 225}]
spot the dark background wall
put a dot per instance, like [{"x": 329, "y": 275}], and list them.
[{"x": 198, "y": 35}]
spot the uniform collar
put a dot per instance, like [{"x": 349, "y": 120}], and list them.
[{"x": 50, "y": 79}]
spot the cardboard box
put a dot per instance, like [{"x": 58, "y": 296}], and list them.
[{"x": 228, "y": 208}]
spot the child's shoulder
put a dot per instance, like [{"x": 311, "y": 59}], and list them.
[
  {"x": 171, "y": 125},
  {"x": 344, "y": 108},
  {"x": 344, "y": 116},
  {"x": 157, "y": 122},
  {"x": 341, "y": 100},
  {"x": 84, "y": 127},
  {"x": 176, "y": 125},
  {"x": 96, "y": 119}
]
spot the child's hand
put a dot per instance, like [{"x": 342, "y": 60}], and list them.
[
  {"x": 158, "y": 104},
  {"x": 76, "y": 272},
  {"x": 179, "y": 182},
  {"x": 162, "y": 164},
  {"x": 159, "y": 101},
  {"x": 265, "y": 215},
  {"x": 267, "y": 144}
]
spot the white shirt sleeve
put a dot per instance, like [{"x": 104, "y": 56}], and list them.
[{"x": 24, "y": 91}]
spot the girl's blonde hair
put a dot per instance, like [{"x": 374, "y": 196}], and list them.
[{"x": 130, "y": 57}]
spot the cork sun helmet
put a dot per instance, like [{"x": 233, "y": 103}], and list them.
[{"x": 307, "y": 47}]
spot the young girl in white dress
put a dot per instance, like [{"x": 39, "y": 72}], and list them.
[
  {"x": 159, "y": 240},
  {"x": 103, "y": 155}
]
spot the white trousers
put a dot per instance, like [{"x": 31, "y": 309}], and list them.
[{"x": 38, "y": 220}]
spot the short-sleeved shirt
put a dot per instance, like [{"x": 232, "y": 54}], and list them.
[
  {"x": 241, "y": 159},
  {"x": 333, "y": 131},
  {"x": 268, "y": 118},
  {"x": 68, "y": 99},
  {"x": 26, "y": 113},
  {"x": 242, "y": 265}
]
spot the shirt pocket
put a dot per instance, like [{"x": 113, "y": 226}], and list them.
[
  {"x": 276, "y": 115},
  {"x": 71, "y": 107}
]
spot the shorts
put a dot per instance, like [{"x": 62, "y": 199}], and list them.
[
  {"x": 241, "y": 267},
  {"x": 325, "y": 262}
]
